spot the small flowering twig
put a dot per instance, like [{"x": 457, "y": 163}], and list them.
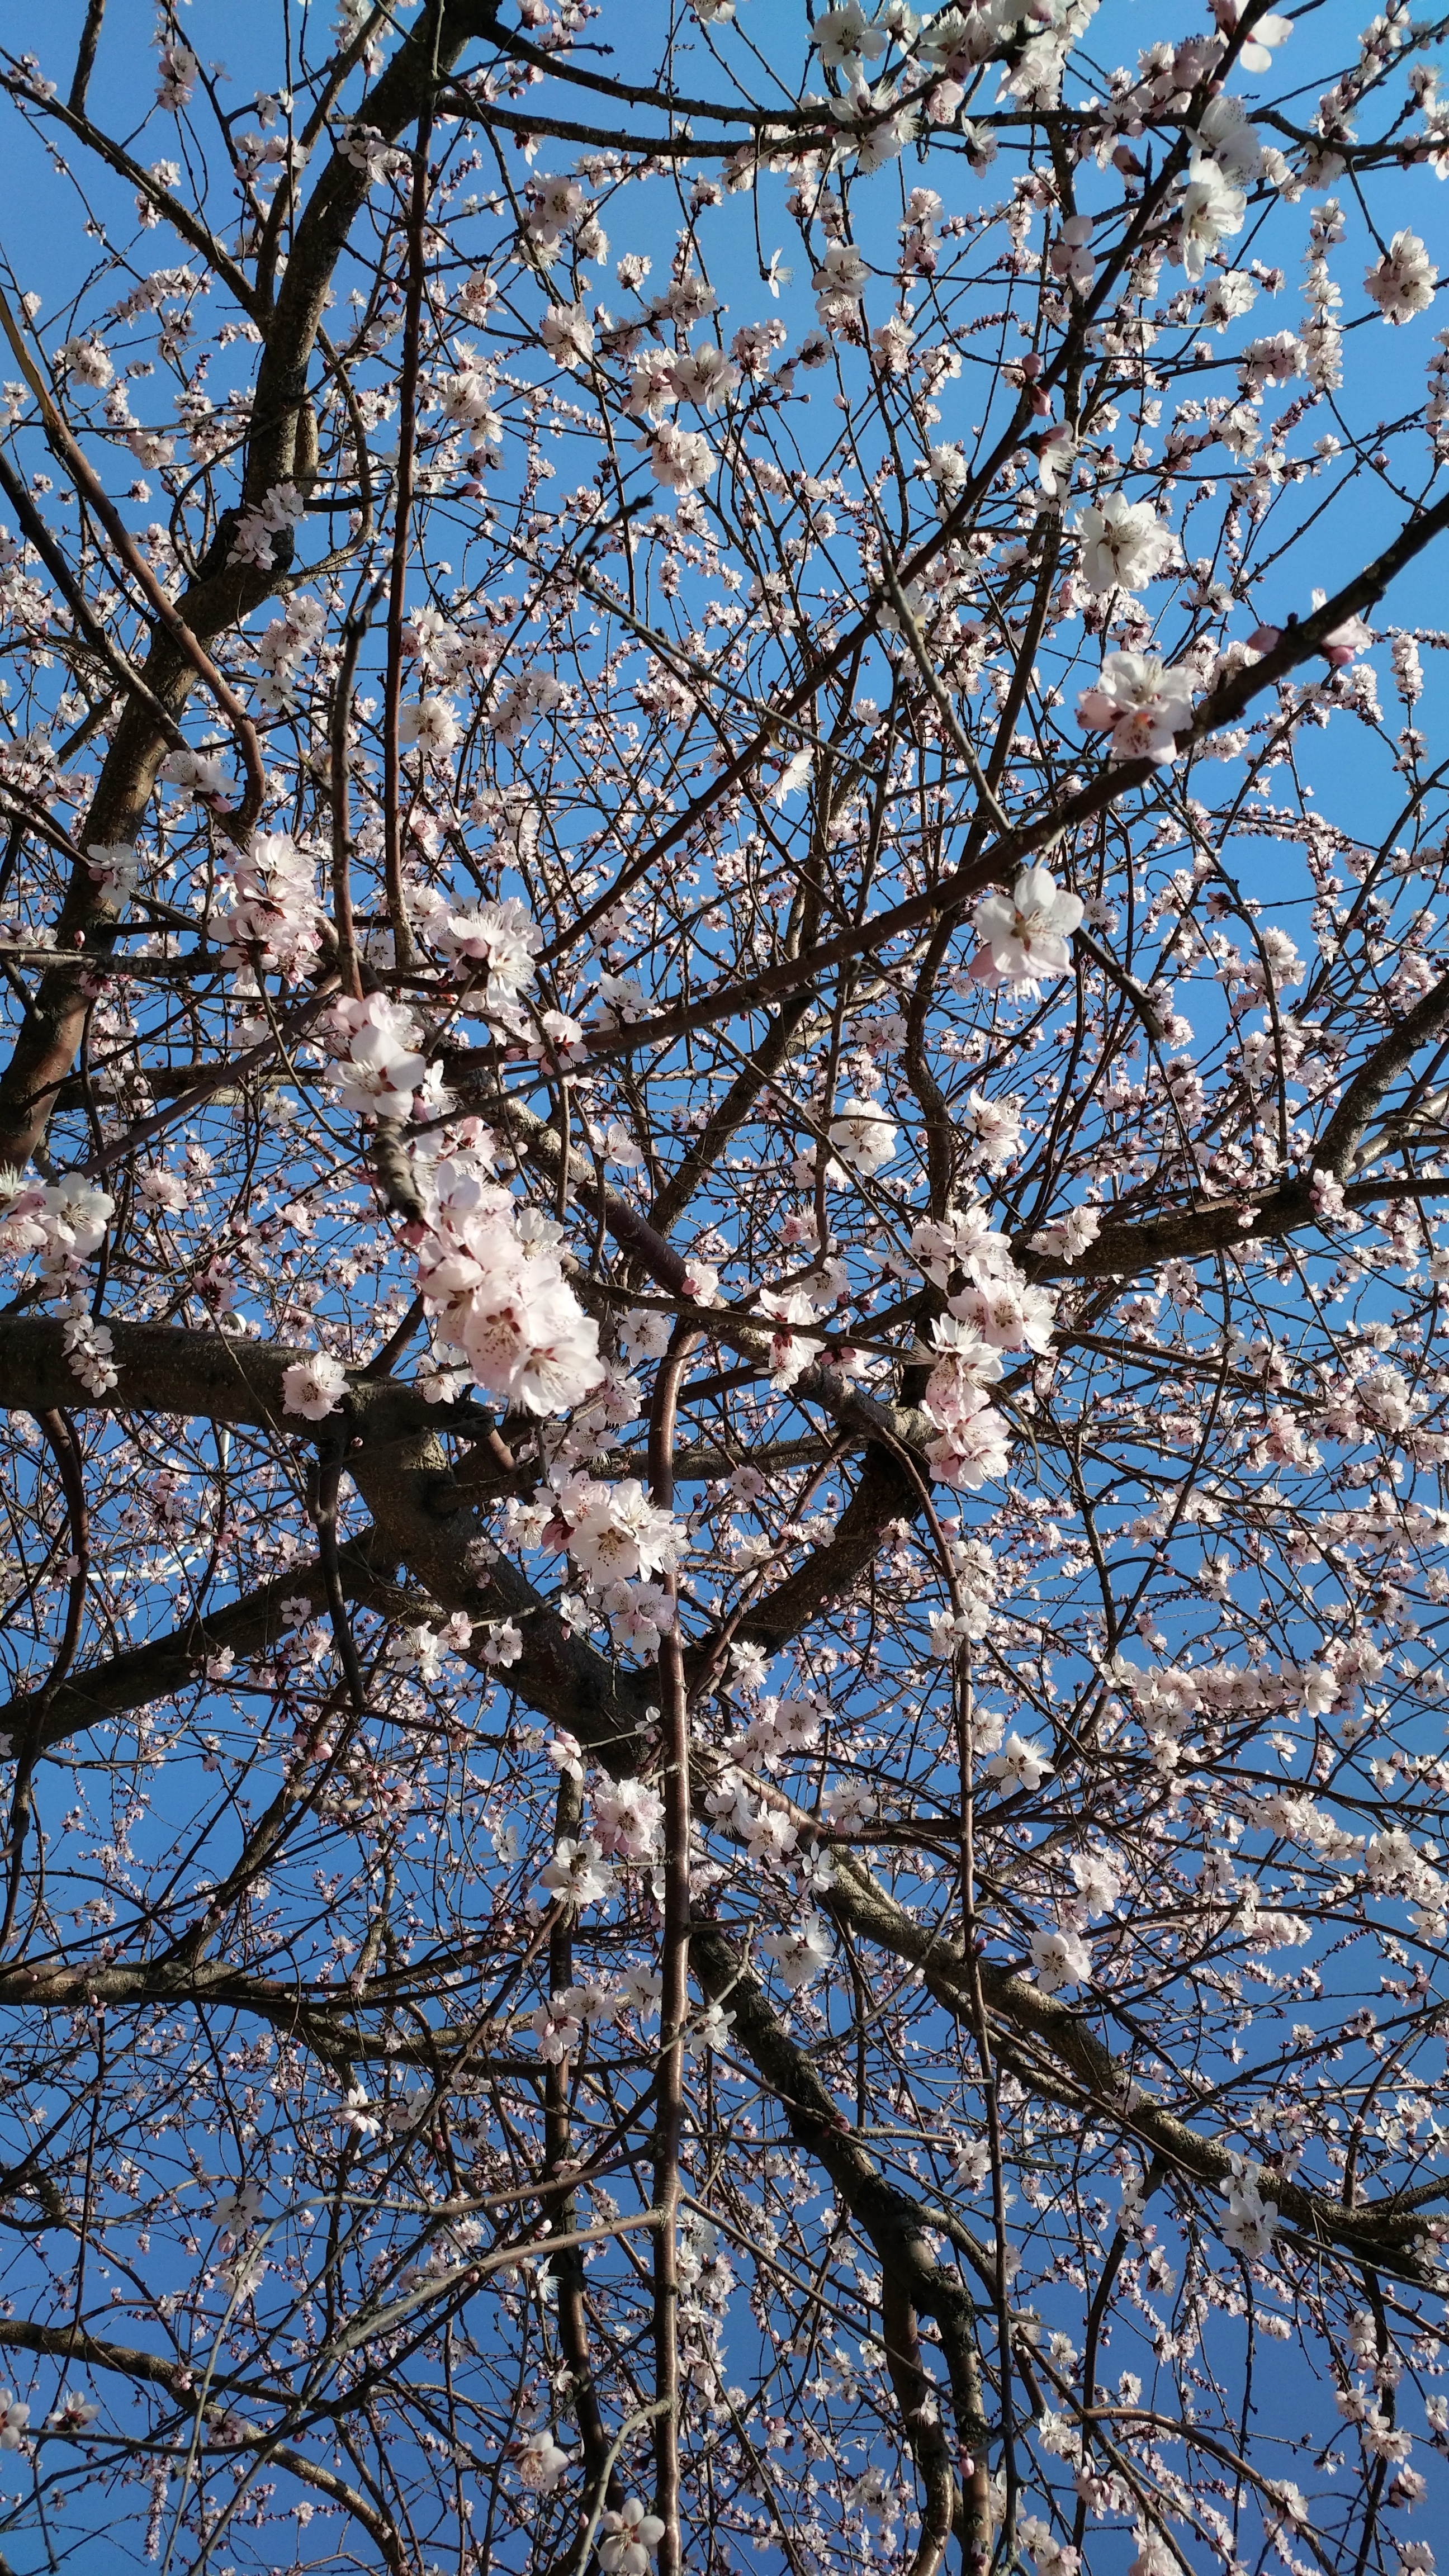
[{"x": 72, "y": 456}]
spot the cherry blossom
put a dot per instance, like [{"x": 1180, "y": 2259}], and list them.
[
  {"x": 1025, "y": 936},
  {"x": 577, "y": 1874},
  {"x": 274, "y": 916},
  {"x": 681, "y": 458},
  {"x": 862, "y": 1135},
  {"x": 1060, "y": 1957},
  {"x": 1265, "y": 35},
  {"x": 430, "y": 723},
  {"x": 1018, "y": 1765},
  {"x": 627, "y": 1820},
  {"x": 1142, "y": 704},
  {"x": 313, "y": 1387},
  {"x": 1124, "y": 544},
  {"x": 1251, "y": 2220},
  {"x": 798, "y": 1956},
  {"x": 1212, "y": 208},
  {"x": 724, "y": 1216},
  {"x": 1402, "y": 282},
  {"x": 630, "y": 2539},
  {"x": 567, "y": 334},
  {"x": 541, "y": 2463}
]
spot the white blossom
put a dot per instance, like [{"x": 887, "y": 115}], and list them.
[
  {"x": 1124, "y": 544},
  {"x": 1019, "y": 1765},
  {"x": 540, "y": 2462},
  {"x": 630, "y": 2538},
  {"x": 314, "y": 1387},
  {"x": 863, "y": 1136},
  {"x": 1024, "y": 935},
  {"x": 1402, "y": 282}
]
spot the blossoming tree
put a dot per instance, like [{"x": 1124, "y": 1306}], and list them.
[{"x": 723, "y": 1093}]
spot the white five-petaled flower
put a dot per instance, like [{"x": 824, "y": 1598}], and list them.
[
  {"x": 313, "y": 1386},
  {"x": 845, "y": 38},
  {"x": 863, "y": 1136},
  {"x": 578, "y": 1874},
  {"x": 72, "y": 2415},
  {"x": 839, "y": 281},
  {"x": 1211, "y": 207},
  {"x": 239, "y": 2208},
  {"x": 1141, "y": 703},
  {"x": 1124, "y": 544},
  {"x": 630, "y": 2538},
  {"x": 1019, "y": 1765},
  {"x": 431, "y": 723},
  {"x": 798, "y": 1956},
  {"x": 1251, "y": 2221},
  {"x": 1060, "y": 1958},
  {"x": 1024, "y": 934},
  {"x": 540, "y": 2463}
]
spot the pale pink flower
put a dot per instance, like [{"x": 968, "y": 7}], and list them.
[
  {"x": 1211, "y": 206},
  {"x": 1024, "y": 934},
  {"x": 628, "y": 1820},
  {"x": 622, "y": 1535},
  {"x": 567, "y": 334},
  {"x": 313, "y": 1387},
  {"x": 798, "y": 1956},
  {"x": 1060, "y": 1958},
  {"x": 1141, "y": 703},
  {"x": 1019, "y": 1765},
  {"x": 577, "y": 1873},
  {"x": 863, "y": 1136},
  {"x": 1124, "y": 544},
  {"x": 681, "y": 458},
  {"x": 630, "y": 2538},
  {"x": 1402, "y": 283},
  {"x": 541, "y": 2465},
  {"x": 430, "y": 723}
]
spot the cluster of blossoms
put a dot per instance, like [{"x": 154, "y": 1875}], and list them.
[
  {"x": 259, "y": 527},
  {"x": 490, "y": 1272},
  {"x": 613, "y": 1532},
  {"x": 1140, "y": 704},
  {"x": 384, "y": 1077},
  {"x": 64, "y": 1221},
  {"x": 274, "y": 924},
  {"x": 500, "y": 938},
  {"x": 285, "y": 642},
  {"x": 466, "y": 401},
  {"x": 576, "y": 1877},
  {"x": 991, "y": 1311}
]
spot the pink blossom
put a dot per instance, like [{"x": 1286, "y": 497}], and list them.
[
  {"x": 314, "y": 1387},
  {"x": 1024, "y": 935}
]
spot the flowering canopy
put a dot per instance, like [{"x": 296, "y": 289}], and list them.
[{"x": 724, "y": 1129}]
